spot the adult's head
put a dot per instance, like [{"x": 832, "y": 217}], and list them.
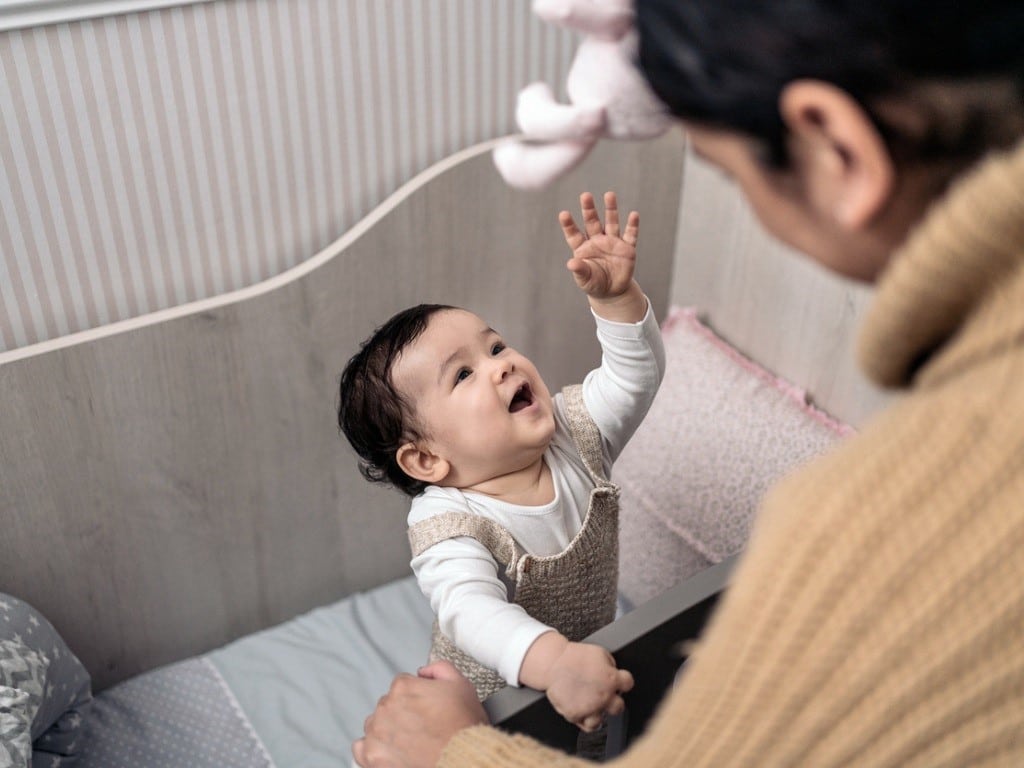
[{"x": 841, "y": 120}]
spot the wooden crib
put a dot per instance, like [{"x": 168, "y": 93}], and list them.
[{"x": 176, "y": 481}]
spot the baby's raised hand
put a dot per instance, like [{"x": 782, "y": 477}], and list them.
[
  {"x": 586, "y": 685},
  {"x": 602, "y": 260}
]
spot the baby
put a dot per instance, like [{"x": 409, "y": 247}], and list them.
[{"x": 514, "y": 524}]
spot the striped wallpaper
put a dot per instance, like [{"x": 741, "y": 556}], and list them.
[{"x": 155, "y": 158}]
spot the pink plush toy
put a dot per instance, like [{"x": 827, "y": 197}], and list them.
[{"x": 610, "y": 98}]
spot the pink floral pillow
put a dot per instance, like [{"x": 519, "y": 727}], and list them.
[{"x": 720, "y": 431}]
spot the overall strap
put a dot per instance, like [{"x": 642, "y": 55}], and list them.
[
  {"x": 585, "y": 433},
  {"x": 450, "y": 525}
]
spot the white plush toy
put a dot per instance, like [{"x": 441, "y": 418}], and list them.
[{"x": 610, "y": 98}]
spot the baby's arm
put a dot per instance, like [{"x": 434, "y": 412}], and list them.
[
  {"x": 619, "y": 392},
  {"x": 580, "y": 679},
  {"x": 603, "y": 261},
  {"x": 460, "y": 578}
]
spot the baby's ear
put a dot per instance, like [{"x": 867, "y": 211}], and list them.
[{"x": 420, "y": 464}]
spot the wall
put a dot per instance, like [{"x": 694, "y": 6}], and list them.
[{"x": 152, "y": 159}]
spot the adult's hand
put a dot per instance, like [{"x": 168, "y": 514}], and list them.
[{"x": 415, "y": 719}]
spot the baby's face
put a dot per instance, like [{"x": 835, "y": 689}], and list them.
[{"x": 481, "y": 405}]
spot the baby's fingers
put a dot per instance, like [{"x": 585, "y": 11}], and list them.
[
  {"x": 611, "y": 214},
  {"x": 591, "y": 723},
  {"x": 616, "y": 707},
  {"x": 573, "y": 236},
  {"x": 581, "y": 270},
  {"x": 632, "y": 231},
  {"x": 591, "y": 221},
  {"x": 623, "y": 681}
]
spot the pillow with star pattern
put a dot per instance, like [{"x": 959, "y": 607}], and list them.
[{"x": 43, "y": 689}]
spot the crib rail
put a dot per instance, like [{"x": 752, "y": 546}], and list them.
[{"x": 650, "y": 642}]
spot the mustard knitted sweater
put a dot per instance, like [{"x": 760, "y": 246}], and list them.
[{"x": 877, "y": 617}]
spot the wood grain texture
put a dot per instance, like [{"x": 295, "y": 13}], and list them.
[
  {"x": 776, "y": 305},
  {"x": 175, "y": 481}
]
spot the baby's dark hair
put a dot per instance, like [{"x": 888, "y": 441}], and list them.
[{"x": 371, "y": 413}]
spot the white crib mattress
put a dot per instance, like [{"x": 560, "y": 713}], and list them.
[{"x": 292, "y": 695}]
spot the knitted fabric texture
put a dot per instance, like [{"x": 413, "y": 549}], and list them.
[
  {"x": 574, "y": 591},
  {"x": 877, "y": 616}
]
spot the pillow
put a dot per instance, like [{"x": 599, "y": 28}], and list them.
[
  {"x": 720, "y": 431},
  {"x": 22, "y": 679},
  {"x": 43, "y": 688}
]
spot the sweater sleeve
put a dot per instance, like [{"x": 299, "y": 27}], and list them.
[{"x": 619, "y": 393}]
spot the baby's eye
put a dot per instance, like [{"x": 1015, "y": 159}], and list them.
[
  {"x": 462, "y": 374},
  {"x": 498, "y": 348}
]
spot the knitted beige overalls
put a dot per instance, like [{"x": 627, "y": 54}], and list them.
[{"x": 573, "y": 591}]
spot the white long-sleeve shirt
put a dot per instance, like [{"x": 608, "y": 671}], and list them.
[{"x": 460, "y": 577}]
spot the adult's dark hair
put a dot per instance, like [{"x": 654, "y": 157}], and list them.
[
  {"x": 371, "y": 413},
  {"x": 725, "y": 63}
]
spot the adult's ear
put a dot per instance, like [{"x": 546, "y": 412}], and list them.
[
  {"x": 420, "y": 464},
  {"x": 847, "y": 168}
]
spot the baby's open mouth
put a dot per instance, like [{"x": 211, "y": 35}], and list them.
[{"x": 523, "y": 398}]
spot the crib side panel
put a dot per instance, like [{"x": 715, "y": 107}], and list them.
[
  {"x": 776, "y": 305},
  {"x": 179, "y": 482}
]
